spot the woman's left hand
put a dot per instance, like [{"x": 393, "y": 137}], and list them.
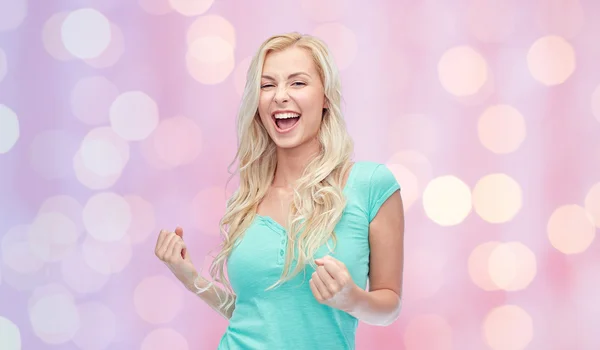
[{"x": 332, "y": 285}]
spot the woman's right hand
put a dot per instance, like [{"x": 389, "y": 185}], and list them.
[{"x": 171, "y": 249}]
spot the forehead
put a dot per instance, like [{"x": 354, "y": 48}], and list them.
[{"x": 289, "y": 61}]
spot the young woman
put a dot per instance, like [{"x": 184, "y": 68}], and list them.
[{"x": 307, "y": 227}]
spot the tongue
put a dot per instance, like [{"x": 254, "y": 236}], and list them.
[{"x": 286, "y": 123}]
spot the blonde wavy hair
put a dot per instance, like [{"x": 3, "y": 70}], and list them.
[{"x": 318, "y": 200}]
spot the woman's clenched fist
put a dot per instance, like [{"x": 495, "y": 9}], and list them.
[{"x": 171, "y": 249}]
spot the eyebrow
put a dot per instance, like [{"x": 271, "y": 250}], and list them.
[{"x": 293, "y": 75}]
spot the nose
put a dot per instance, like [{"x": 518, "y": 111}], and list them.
[{"x": 281, "y": 95}]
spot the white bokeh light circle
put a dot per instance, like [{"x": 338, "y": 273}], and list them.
[
  {"x": 210, "y": 59},
  {"x": 447, "y": 200},
  {"x": 113, "y": 52},
  {"x": 107, "y": 216},
  {"x": 10, "y": 335},
  {"x": 9, "y": 129},
  {"x": 52, "y": 235},
  {"x": 67, "y": 206},
  {"x": 134, "y": 115},
  {"x": 53, "y": 314},
  {"x": 86, "y": 33},
  {"x": 97, "y": 326},
  {"x": 462, "y": 71},
  {"x": 551, "y": 60}
]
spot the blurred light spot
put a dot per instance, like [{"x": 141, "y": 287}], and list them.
[
  {"x": 414, "y": 131},
  {"x": 508, "y": 327},
  {"x": 90, "y": 179},
  {"x": 91, "y": 99},
  {"x": 501, "y": 129},
  {"x": 107, "y": 257},
  {"x": 178, "y": 140},
  {"x": 52, "y": 236},
  {"x": 148, "y": 151},
  {"x": 113, "y": 52},
  {"x": 323, "y": 10},
  {"x": 564, "y": 18},
  {"x": 10, "y": 336},
  {"x": 592, "y": 203},
  {"x": 151, "y": 289},
  {"x": 478, "y": 266},
  {"x": 497, "y": 198},
  {"x": 67, "y": 206},
  {"x": 447, "y": 200},
  {"x": 143, "y": 219},
  {"x": 191, "y": 8},
  {"x": 79, "y": 276},
  {"x": 52, "y": 39},
  {"x": 512, "y": 266},
  {"x": 3, "y": 64},
  {"x": 596, "y": 103},
  {"x": 571, "y": 229},
  {"x": 428, "y": 332},
  {"x": 107, "y": 216},
  {"x": 86, "y": 33},
  {"x": 9, "y": 129},
  {"x": 492, "y": 21},
  {"x": 103, "y": 152},
  {"x": 208, "y": 206},
  {"x": 12, "y": 14},
  {"x": 16, "y": 252},
  {"x": 551, "y": 60},
  {"x": 210, "y": 60},
  {"x": 341, "y": 41},
  {"x": 98, "y": 326},
  {"x": 156, "y": 7},
  {"x": 239, "y": 76},
  {"x": 164, "y": 338},
  {"x": 134, "y": 115},
  {"x": 462, "y": 71},
  {"x": 54, "y": 316},
  {"x": 51, "y": 153},
  {"x": 211, "y": 26},
  {"x": 425, "y": 271},
  {"x": 408, "y": 182}
]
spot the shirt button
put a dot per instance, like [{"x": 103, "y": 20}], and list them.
[{"x": 281, "y": 252}]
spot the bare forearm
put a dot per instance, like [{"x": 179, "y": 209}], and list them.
[
  {"x": 379, "y": 307},
  {"x": 213, "y": 296}
]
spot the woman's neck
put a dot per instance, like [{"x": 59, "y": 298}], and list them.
[{"x": 291, "y": 163}]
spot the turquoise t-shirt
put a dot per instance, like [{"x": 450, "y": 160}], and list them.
[{"x": 289, "y": 316}]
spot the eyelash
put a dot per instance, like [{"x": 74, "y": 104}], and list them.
[{"x": 269, "y": 85}]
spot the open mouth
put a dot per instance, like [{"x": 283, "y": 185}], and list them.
[{"x": 286, "y": 121}]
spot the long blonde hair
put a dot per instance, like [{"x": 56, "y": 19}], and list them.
[{"x": 318, "y": 200}]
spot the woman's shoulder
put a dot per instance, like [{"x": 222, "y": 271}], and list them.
[
  {"x": 372, "y": 183},
  {"x": 371, "y": 173}
]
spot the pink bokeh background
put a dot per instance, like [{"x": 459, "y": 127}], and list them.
[{"x": 117, "y": 119}]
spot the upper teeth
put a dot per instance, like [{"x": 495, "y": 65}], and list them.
[{"x": 286, "y": 115}]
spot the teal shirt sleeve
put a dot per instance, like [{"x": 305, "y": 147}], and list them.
[{"x": 382, "y": 185}]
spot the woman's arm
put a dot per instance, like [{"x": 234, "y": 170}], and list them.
[
  {"x": 381, "y": 305},
  {"x": 213, "y": 296}
]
